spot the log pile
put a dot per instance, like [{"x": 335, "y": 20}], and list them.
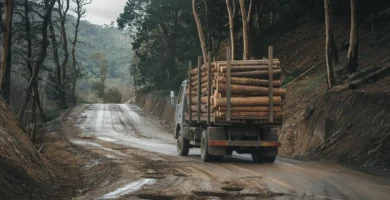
[{"x": 249, "y": 90}]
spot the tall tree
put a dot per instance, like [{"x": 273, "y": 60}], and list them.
[
  {"x": 80, "y": 11},
  {"x": 245, "y": 25},
  {"x": 28, "y": 38},
  {"x": 100, "y": 88},
  {"x": 60, "y": 92},
  {"x": 353, "y": 51},
  {"x": 200, "y": 32},
  {"x": 44, "y": 43},
  {"x": 5, "y": 65},
  {"x": 329, "y": 50},
  {"x": 231, "y": 27},
  {"x": 63, "y": 8}
]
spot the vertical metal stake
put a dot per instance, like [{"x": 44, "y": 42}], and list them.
[
  {"x": 270, "y": 88},
  {"x": 199, "y": 86},
  {"x": 228, "y": 85},
  {"x": 189, "y": 91},
  {"x": 209, "y": 88}
]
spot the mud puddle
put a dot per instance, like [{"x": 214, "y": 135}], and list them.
[{"x": 129, "y": 188}]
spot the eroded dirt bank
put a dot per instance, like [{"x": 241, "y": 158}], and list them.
[
  {"x": 24, "y": 173},
  {"x": 157, "y": 106},
  {"x": 354, "y": 124}
]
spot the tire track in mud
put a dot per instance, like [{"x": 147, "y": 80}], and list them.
[
  {"x": 110, "y": 107},
  {"x": 88, "y": 117},
  {"x": 130, "y": 124},
  {"x": 173, "y": 172},
  {"x": 127, "y": 124}
]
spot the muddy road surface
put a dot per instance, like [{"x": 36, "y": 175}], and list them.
[{"x": 151, "y": 169}]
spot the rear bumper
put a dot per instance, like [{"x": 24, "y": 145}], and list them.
[{"x": 224, "y": 143}]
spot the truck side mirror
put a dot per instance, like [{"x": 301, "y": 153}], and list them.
[{"x": 172, "y": 98}]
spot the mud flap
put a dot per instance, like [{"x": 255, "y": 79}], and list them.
[{"x": 217, "y": 133}]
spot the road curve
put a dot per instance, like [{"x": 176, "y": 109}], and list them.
[{"x": 127, "y": 125}]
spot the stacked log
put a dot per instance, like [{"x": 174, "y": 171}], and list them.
[{"x": 249, "y": 90}]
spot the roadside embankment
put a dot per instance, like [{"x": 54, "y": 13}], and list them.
[
  {"x": 24, "y": 173},
  {"x": 351, "y": 127},
  {"x": 159, "y": 107}
]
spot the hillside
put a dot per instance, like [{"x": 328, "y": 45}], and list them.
[
  {"x": 353, "y": 123},
  {"x": 110, "y": 41},
  {"x": 24, "y": 173},
  {"x": 115, "y": 46}
]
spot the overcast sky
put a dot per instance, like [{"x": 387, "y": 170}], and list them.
[{"x": 104, "y": 11}]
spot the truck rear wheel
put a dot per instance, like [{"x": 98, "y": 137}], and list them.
[
  {"x": 204, "y": 148},
  {"x": 269, "y": 159},
  {"x": 183, "y": 145},
  {"x": 256, "y": 157},
  {"x": 218, "y": 158}
]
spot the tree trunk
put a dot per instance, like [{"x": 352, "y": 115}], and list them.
[
  {"x": 244, "y": 30},
  {"x": 80, "y": 12},
  {"x": 4, "y": 70},
  {"x": 60, "y": 92},
  {"x": 7, "y": 85},
  {"x": 200, "y": 32},
  {"x": 38, "y": 102},
  {"x": 353, "y": 51},
  {"x": 40, "y": 58},
  {"x": 75, "y": 70},
  {"x": 329, "y": 51},
  {"x": 209, "y": 40},
  {"x": 63, "y": 14},
  {"x": 33, "y": 118},
  {"x": 231, "y": 27}
]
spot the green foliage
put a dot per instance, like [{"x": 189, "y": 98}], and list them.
[
  {"x": 52, "y": 114},
  {"x": 164, "y": 39},
  {"x": 101, "y": 46},
  {"x": 113, "y": 96},
  {"x": 98, "y": 89},
  {"x": 107, "y": 40}
]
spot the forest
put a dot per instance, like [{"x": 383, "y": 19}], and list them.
[
  {"x": 109, "y": 111},
  {"x": 166, "y": 34},
  {"x": 52, "y": 59},
  {"x": 49, "y": 58}
]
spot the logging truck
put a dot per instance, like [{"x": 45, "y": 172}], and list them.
[{"x": 230, "y": 106}]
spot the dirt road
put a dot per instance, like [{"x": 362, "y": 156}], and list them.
[{"x": 150, "y": 167}]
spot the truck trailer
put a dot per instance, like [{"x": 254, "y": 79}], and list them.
[{"x": 232, "y": 105}]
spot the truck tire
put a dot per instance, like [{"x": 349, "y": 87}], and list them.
[
  {"x": 218, "y": 158},
  {"x": 229, "y": 152},
  {"x": 183, "y": 145},
  {"x": 204, "y": 148},
  {"x": 269, "y": 159},
  {"x": 256, "y": 157}
]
